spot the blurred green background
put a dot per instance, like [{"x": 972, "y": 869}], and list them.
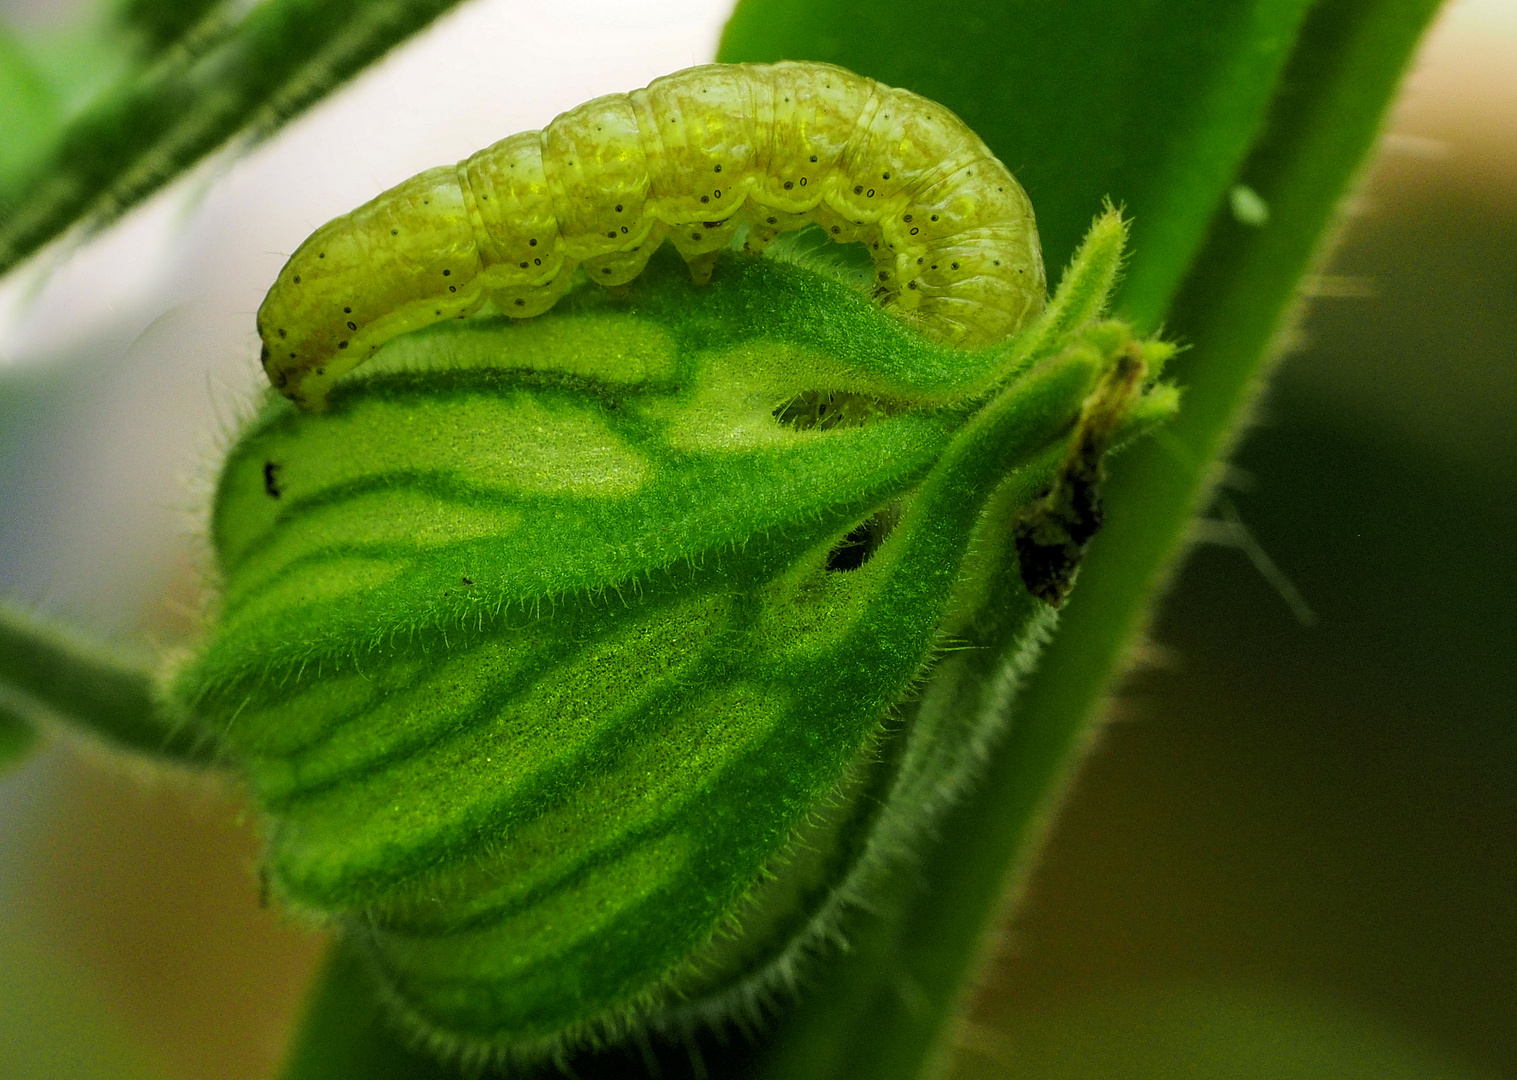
[{"x": 1294, "y": 852}]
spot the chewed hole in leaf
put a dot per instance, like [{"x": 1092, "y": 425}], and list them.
[
  {"x": 863, "y": 540},
  {"x": 823, "y": 410}
]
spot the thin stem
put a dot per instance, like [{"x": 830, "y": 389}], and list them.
[{"x": 49, "y": 676}]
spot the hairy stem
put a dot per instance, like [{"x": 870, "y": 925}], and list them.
[{"x": 48, "y": 676}]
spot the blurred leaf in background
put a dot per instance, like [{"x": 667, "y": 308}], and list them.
[
  {"x": 242, "y": 74},
  {"x": 1183, "y": 1032}
]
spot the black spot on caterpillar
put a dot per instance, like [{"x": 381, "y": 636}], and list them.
[{"x": 604, "y": 184}]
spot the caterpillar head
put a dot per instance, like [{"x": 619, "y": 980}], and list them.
[{"x": 406, "y": 259}]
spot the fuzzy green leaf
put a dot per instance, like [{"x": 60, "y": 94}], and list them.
[
  {"x": 29, "y": 112},
  {"x": 541, "y": 641}
]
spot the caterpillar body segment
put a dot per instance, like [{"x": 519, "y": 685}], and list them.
[
  {"x": 400, "y": 262},
  {"x": 689, "y": 159}
]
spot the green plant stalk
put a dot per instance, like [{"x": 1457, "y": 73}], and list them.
[
  {"x": 47, "y": 675},
  {"x": 900, "y": 992}
]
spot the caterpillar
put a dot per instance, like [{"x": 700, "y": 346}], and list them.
[{"x": 689, "y": 159}]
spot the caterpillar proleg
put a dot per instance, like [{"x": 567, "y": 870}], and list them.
[{"x": 689, "y": 159}]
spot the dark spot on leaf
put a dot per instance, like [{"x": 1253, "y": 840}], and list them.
[
  {"x": 855, "y": 550},
  {"x": 271, "y": 480}
]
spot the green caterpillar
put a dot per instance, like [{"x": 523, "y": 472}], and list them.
[{"x": 690, "y": 159}]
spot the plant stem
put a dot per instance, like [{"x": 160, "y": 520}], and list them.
[{"x": 49, "y": 676}]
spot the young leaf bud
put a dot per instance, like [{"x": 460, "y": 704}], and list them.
[{"x": 584, "y": 668}]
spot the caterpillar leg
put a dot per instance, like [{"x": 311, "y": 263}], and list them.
[
  {"x": 699, "y": 242},
  {"x": 766, "y": 223},
  {"x": 759, "y": 238},
  {"x": 701, "y": 266}
]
